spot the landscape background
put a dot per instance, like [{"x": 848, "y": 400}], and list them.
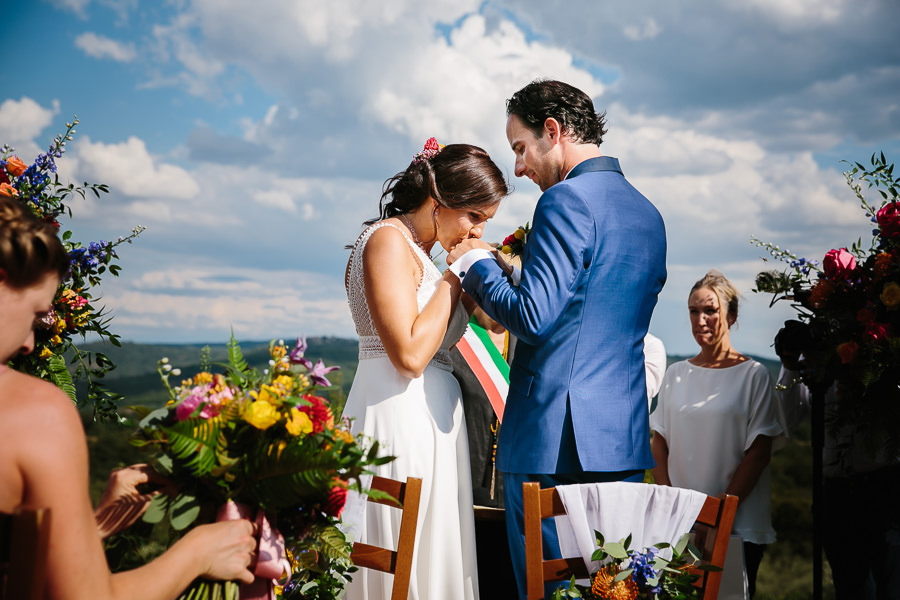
[{"x": 786, "y": 571}]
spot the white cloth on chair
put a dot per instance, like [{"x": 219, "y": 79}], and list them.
[{"x": 649, "y": 513}]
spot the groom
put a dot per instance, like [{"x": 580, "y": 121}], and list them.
[{"x": 592, "y": 268}]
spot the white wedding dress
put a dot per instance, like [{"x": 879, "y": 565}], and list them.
[{"x": 420, "y": 421}]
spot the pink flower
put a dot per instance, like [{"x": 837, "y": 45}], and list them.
[
  {"x": 889, "y": 220},
  {"x": 432, "y": 144},
  {"x": 877, "y": 331},
  {"x": 838, "y": 264}
]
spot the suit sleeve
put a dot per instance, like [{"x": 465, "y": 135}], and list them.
[{"x": 556, "y": 255}]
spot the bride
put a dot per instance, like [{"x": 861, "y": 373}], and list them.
[{"x": 408, "y": 315}]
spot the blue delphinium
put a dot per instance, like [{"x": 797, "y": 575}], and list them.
[{"x": 644, "y": 573}]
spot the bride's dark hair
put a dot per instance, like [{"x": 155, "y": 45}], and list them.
[{"x": 459, "y": 176}]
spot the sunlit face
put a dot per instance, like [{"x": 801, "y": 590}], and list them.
[
  {"x": 709, "y": 323},
  {"x": 456, "y": 225},
  {"x": 535, "y": 157},
  {"x": 19, "y": 309}
]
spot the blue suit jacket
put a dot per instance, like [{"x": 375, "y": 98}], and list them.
[{"x": 592, "y": 269}]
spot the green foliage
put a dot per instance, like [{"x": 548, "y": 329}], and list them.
[{"x": 73, "y": 314}]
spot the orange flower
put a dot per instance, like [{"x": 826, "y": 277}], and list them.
[
  {"x": 8, "y": 190},
  {"x": 847, "y": 351},
  {"x": 604, "y": 585},
  {"x": 819, "y": 294},
  {"x": 883, "y": 264},
  {"x": 15, "y": 166}
]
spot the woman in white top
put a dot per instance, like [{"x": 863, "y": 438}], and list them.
[
  {"x": 716, "y": 420},
  {"x": 408, "y": 316}
]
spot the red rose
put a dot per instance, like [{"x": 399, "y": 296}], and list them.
[
  {"x": 865, "y": 316},
  {"x": 432, "y": 144},
  {"x": 337, "y": 498},
  {"x": 889, "y": 220},
  {"x": 838, "y": 264},
  {"x": 847, "y": 351}
]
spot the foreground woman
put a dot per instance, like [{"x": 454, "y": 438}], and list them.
[
  {"x": 43, "y": 457},
  {"x": 408, "y": 316}
]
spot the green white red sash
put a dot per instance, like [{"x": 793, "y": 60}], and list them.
[{"x": 488, "y": 364}]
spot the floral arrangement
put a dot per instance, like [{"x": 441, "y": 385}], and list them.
[
  {"x": 849, "y": 311},
  {"x": 429, "y": 151},
  {"x": 640, "y": 575},
  {"x": 74, "y": 314},
  {"x": 514, "y": 243},
  {"x": 265, "y": 441}
]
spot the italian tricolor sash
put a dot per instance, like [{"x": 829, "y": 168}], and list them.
[{"x": 488, "y": 364}]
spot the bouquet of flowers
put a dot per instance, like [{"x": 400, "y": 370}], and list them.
[
  {"x": 849, "y": 311},
  {"x": 514, "y": 243},
  {"x": 640, "y": 575},
  {"x": 73, "y": 314},
  {"x": 265, "y": 441}
]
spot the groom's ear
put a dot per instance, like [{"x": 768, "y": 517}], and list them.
[{"x": 552, "y": 129}]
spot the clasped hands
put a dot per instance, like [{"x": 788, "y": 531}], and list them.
[{"x": 473, "y": 244}]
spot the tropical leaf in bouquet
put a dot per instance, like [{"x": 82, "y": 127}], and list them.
[
  {"x": 285, "y": 476},
  {"x": 239, "y": 371},
  {"x": 195, "y": 441}
]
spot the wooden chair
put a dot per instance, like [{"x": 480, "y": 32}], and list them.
[
  {"x": 24, "y": 539},
  {"x": 399, "y": 561},
  {"x": 711, "y": 532}
]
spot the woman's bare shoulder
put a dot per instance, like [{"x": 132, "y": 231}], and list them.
[{"x": 25, "y": 398}]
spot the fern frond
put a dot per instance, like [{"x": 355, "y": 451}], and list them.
[
  {"x": 294, "y": 474},
  {"x": 196, "y": 441},
  {"x": 60, "y": 376}
]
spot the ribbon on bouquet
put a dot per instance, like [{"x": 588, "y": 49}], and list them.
[{"x": 271, "y": 564}]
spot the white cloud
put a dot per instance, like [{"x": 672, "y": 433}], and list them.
[
  {"x": 128, "y": 168},
  {"x": 802, "y": 13},
  {"x": 99, "y": 46},
  {"x": 647, "y": 31},
  {"x": 23, "y": 120}
]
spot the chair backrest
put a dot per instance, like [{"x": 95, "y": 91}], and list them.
[
  {"x": 405, "y": 496},
  {"x": 24, "y": 539},
  {"x": 712, "y": 530}
]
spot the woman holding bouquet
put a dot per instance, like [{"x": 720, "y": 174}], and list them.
[
  {"x": 408, "y": 316},
  {"x": 716, "y": 420},
  {"x": 43, "y": 457}
]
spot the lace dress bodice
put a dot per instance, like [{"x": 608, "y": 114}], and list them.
[{"x": 370, "y": 345}]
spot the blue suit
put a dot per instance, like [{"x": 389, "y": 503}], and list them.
[{"x": 592, "y": 269}]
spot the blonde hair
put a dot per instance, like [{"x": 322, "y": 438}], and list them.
[
  {"x": 723, "y": 289},
  {"x": 29, "y": 248}
]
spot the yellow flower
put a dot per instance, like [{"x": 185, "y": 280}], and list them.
[
  {"x": 202, "y": 378},
  {"x": 506, "y": 249},
  {"x": 270, "y": 394},
  {"x": 278, "y": 352},
  {"x": 890, "y": 296},
  {"x": 56, "y": 340},
  {"x": 284, "y": 382},
  {"x": 519, "y": 234},
  {"x": 299, "y": 423},
  {"x": 45, "y": 352},
  {"x": 261, "y": 414},
  {"x": 59, "y": 326}
]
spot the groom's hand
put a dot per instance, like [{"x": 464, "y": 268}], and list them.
[{"x": 464, "y": 246}]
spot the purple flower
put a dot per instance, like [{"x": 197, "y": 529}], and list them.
[
  {"x": 318, "y": 372},
  {"x": 296, "y": 355}
]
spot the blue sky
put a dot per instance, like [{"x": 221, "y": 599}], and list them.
[{"x": 252, "y": 138}]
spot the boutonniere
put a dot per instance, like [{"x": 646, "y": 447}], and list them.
[{"x": 514, "y": 243}]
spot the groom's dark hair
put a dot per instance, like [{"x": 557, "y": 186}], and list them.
[{"x": 573, "y": 109}]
